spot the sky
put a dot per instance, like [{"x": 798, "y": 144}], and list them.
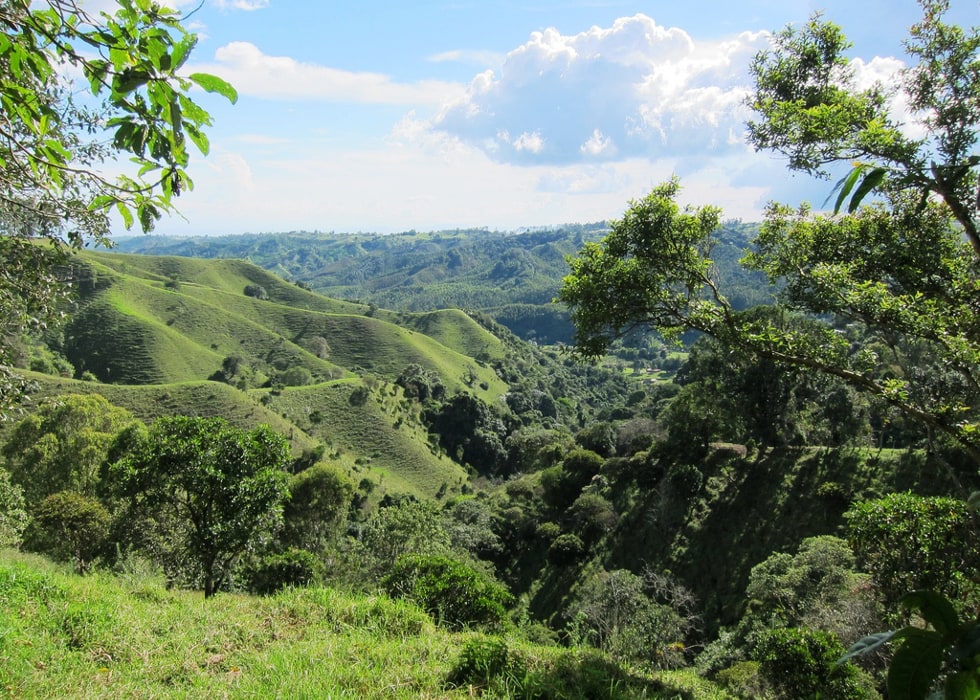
[{"x": 388, "y": 116}]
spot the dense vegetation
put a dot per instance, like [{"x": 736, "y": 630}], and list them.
[{"x": 394, "y": 499}]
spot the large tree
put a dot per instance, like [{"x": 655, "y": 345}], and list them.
[
  {"x": 62, "y": 445},
  {"x": 905, "y": 267},
  {"x": 219, "y": 487},
  {"x": 78, "y": 92}
]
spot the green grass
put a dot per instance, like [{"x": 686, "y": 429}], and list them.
[
  {"x": 206, "y": 399},
  {"x": 148, "y": 333},
  {"x": 155, "y": 343},
  {"x": 383, "y": 429},
  {"x": 106, "y": 636}
]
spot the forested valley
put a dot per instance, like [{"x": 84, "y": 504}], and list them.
[{"x": 669, "y": 455}]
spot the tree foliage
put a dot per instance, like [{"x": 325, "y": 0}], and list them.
[
  {"x": 68, "y": 526},
  {"x": 55, "y": 139},
  {"x": 909, "y": 542},
  {"x": 62, "y": 445},
  {"x": 456, "y": 595},
  {"x": 900, "y": 268},
  {"x": 226, "y": 485}
]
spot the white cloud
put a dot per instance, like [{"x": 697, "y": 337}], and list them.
[
  {"x": 255, "y": 73},
  {"x": 598, "y": 145},
  {"x": 483, "y": 58},
  {"x": 247, "y": 5},
  {"x": 532, "y": 143},
  {"x": 636, "y": 89}
]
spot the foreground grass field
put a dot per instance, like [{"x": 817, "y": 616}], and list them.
[{"x": 108, "y": 636}]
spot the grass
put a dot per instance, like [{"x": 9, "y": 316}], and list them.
[
  {"x": 149, "y": 333},
  {"x": 383, "y": 429},
  {"x": 207, "y": 399},
  {"x": 155, "y": 329},
  {"x": 108, "y": 636}
]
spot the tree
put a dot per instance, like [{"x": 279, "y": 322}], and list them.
[
  {"x": 615, "y": 611},
  {"x": 257, "y": 291},
  {"x": 62, "y": 445},
  {"x": 226, "y": 485},
  {"x": 905, "y": 267},
  {"x": 53, "y": 140},
  {"x": 69, "y": 527},
  {"x": 13, "y": 516},
  {"x": 909, "y": 542},
  {"x": 319, "y": 498}
]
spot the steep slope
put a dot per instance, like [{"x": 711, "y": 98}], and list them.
[
  {"x": 153, "y": 331},
  {"x": 152, "y": 320}
]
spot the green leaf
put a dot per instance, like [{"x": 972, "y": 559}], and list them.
[
  {"x": 182, "y": 51},
  {"x": 915, "y": 665},
  {"x": 871, "y": 181},
  {"x": 129, "y": 80},
  {"x": 126, "y": 214},
  {"x": 199, "y": 138},
  {"x": 845, "y": 185},
  {"x": 103, "y": 201},
  {"x": 213, "y": 83},
  {"x": 866, "y": 645},
  {"x": 934, "y": 609}
]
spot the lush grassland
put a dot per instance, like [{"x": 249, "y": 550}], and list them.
[
  {"x": 205, "y": 399},
  {"x": 382, "y": 428},
  {"x": 153, "y": 330},
  {"x": 136, "y": 329},
  {"x": 107, "y": 636}
]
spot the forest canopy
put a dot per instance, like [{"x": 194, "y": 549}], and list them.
[{"x": 902, "y": 268}]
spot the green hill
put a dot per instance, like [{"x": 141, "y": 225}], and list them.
[
  {"x": 510, "y": 276},
  {"x": 155, "y": 330}
]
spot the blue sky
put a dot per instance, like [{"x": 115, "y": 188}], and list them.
[{"x": 437, "y": 114}]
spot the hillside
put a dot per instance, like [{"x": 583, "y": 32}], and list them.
[
  {"x": 511, "y": 276},
  {"x": 106, "y": 637},
  {"x": 155, "y": 330}
]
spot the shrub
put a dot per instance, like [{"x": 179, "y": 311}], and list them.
[
  {"x": 566, "y": 550},
  {"x": 294, "y": 567},
  {"x": 13, "y": 517},
  {"x": 802, "y": 663},
  {"x": 910, "y": 542},
  {"x": 454, "y": 594},
  {"x": 256, "y": 290},
  {"x": 480, "y": 660},
  {"x": 68, "y": 526}
]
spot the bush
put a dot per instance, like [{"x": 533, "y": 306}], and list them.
[
  {"x": 743, "y": 679},
  {"x": 455, "y": 595},
  {"x": 910, "y": 542},
  {"x": 256, "y": 290},
  {"x": 13, "y": 517},
  {"x": 480, "y": 660},
  {"x": 68, "y": 526},
  {"x": 802, "y": 663},
  {"x": 294, "y": 567},
  {"x": 566, "y": 550}
]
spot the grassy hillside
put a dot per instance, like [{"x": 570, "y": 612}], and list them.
[
  {"x": 157, "y": 320},
  {"x": 155, "y": 330},
  {"x": 103, "y": 636},
  {"x": 511, "y": 276},
  {"x": 205, "y": 399}
]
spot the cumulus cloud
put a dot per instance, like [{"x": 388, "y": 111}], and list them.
[
  {"x": 636, "y": 89},
  {"x": 257, "y": 74}
]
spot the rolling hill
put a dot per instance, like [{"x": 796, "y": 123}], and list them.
[{"x": 172, "y": 335}]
